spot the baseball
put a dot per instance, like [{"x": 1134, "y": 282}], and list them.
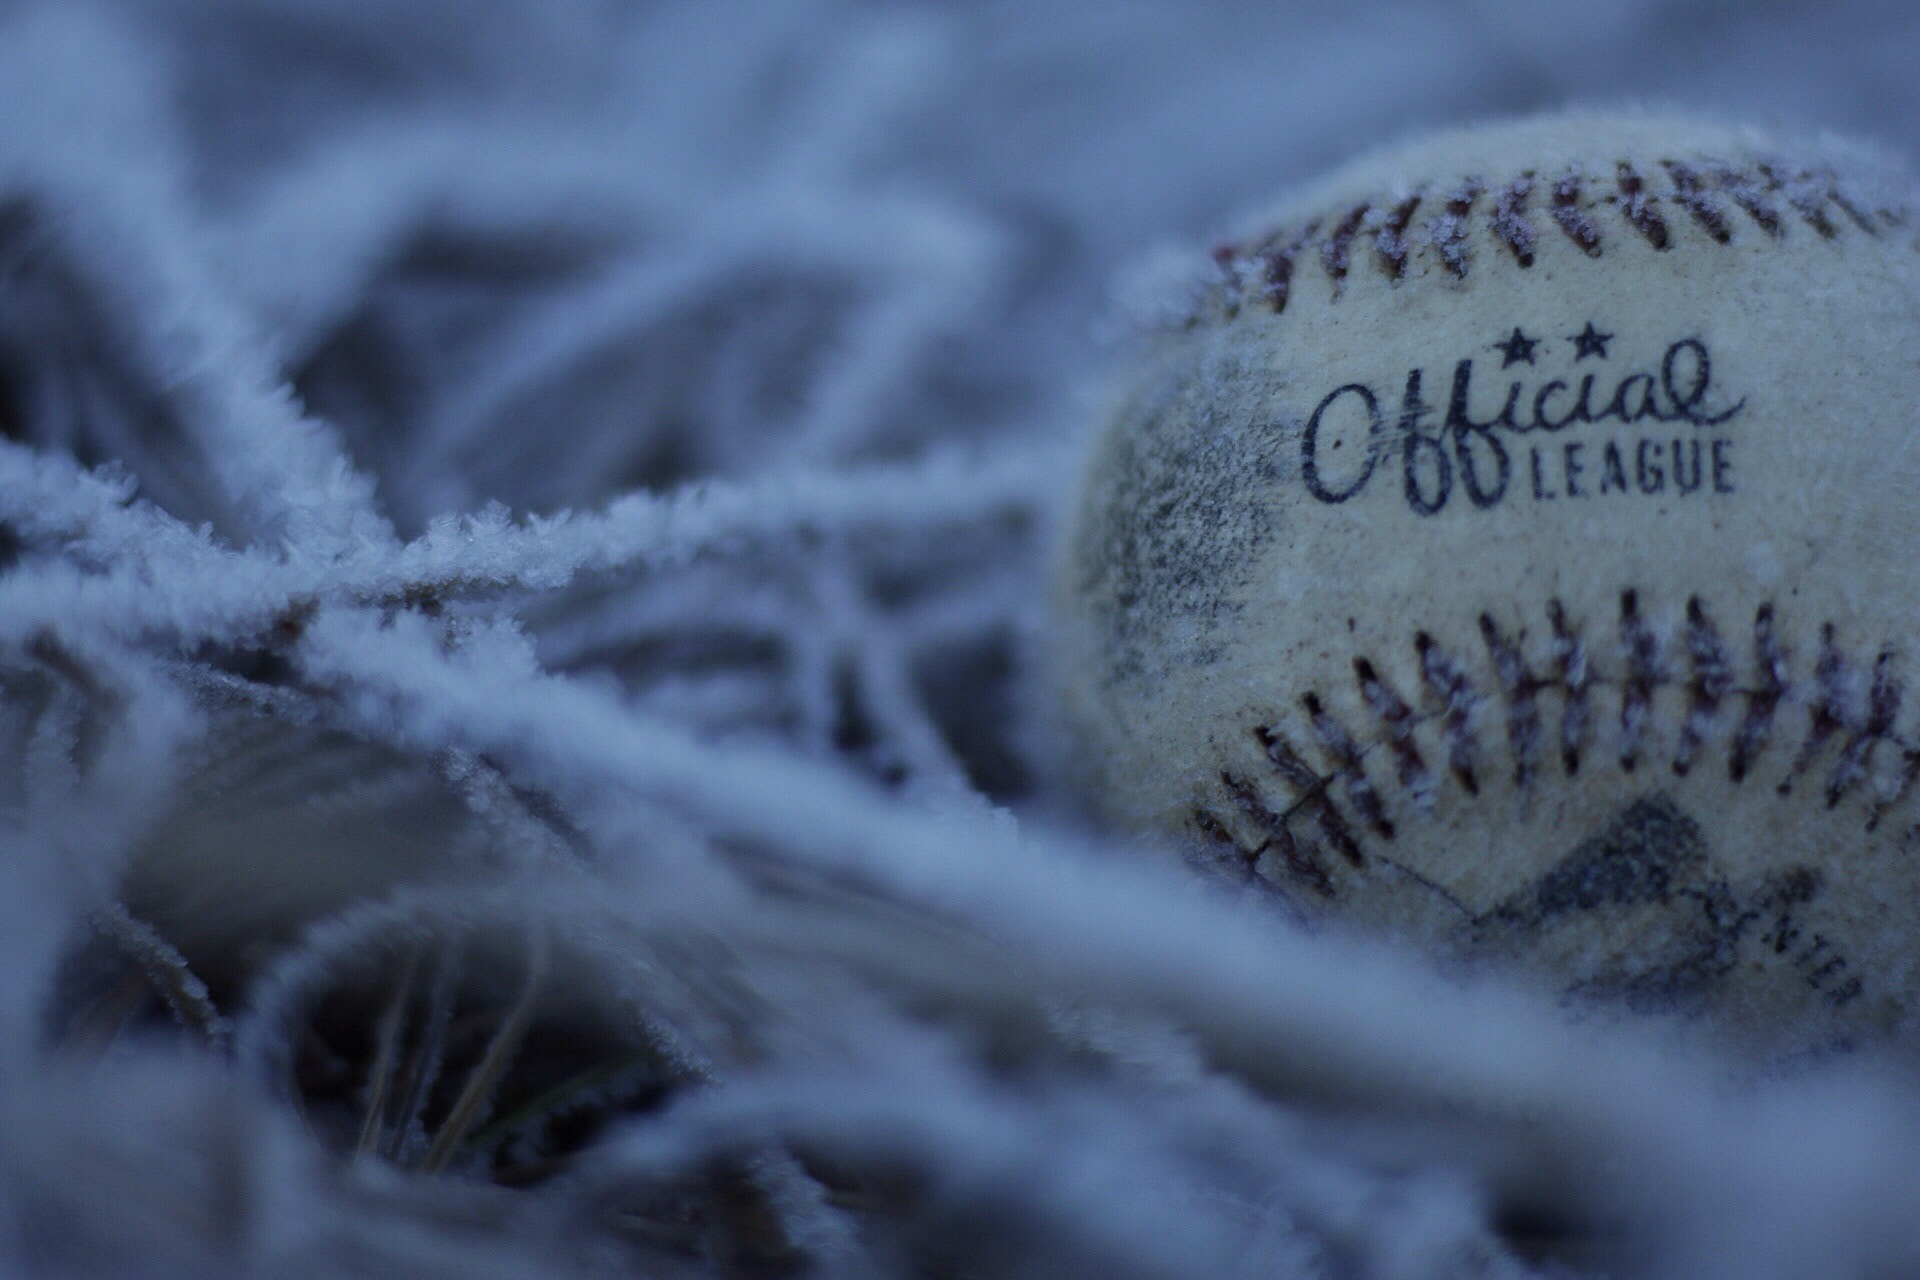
[{"x": 1516, "y": 546}]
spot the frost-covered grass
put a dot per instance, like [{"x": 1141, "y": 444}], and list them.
[{"x": 525, "y": 529}]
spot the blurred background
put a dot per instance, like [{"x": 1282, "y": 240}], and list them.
[
  {"x": 401, "y": 184},
  {"x": 547, "y": 251}
]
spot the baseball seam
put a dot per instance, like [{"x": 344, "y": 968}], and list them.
[
  {"x": 1386, "y": 233},
  {"x": 1329, "y": 790}
]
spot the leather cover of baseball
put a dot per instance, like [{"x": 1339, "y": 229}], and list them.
[{"x": 1516, "y": 545}]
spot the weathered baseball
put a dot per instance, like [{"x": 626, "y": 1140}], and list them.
[{"x": 1517, "y": 545}]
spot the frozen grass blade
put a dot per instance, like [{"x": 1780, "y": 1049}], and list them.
[
  {"x": 429, "y": 1053},
  {"x": 560, "y": 1098},
  {"x": 165, "y": 970},
  {"x": 386, "y": 1055},
  {"x": 477, "y": 1094}
]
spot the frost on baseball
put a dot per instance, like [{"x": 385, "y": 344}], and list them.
[{"x": 1516, "y": 544}]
